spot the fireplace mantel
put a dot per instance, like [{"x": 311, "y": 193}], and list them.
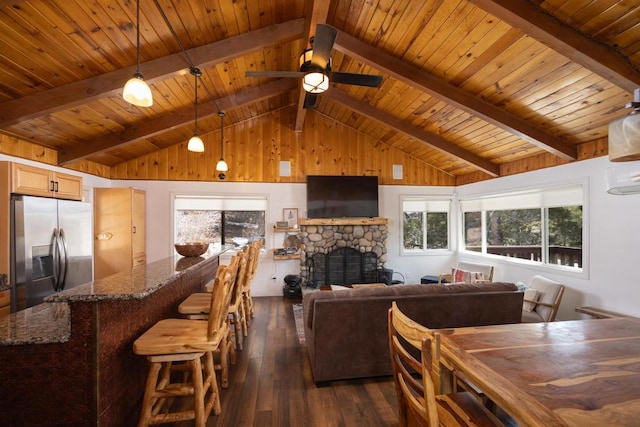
[{"x": 343, "y": 221}]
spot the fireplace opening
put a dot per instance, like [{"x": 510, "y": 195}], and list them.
[{"x": 344, "y": 266}]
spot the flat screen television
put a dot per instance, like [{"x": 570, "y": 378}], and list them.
[{"x": 341, "y": 196}]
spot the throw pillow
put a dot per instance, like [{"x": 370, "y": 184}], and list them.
[
  {"x": 530, "y": 295},
  {"x": 521, "y": 286},
  {"x": 464, "y": 276}
]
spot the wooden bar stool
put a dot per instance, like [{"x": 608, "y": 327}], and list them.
[
  {"x": 181, "y": 345},
  {"x": 197, "y": 305},
  {"x": 246, "y": 291}
]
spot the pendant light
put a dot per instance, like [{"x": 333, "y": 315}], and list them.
[
  {"x": 136, "y": 91},
  {"x": 195, "y": 143},
  {"x": 222, "y": 165}
]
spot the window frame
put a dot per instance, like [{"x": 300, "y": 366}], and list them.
[
  {"x": 224, "y": 197},
  {"x": 583, "y": 272},
  {"x": 450, "y": 228}
]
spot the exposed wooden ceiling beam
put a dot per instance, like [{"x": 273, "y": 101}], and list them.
[
  {"x": 597, "y": 57},
  {"x": 318, "y": 15},
  {"x": 111, "y": 83},
  {"x": 426, "y": 82},
  {"x": 414, "y": 132},
  {"x": 184, "y": 116}
]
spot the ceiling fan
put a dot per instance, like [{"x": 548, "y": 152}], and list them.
[{"x": 315, "y": 68}]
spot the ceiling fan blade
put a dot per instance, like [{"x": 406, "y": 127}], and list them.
[
  {"x": 310, "y": 100},
  {"x": 323, "y": 44},
  {"x": 297, "y": 74},
  {"x": 369, "y": 80}
]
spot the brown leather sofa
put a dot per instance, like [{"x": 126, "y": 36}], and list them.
[{"x": 346, "y": 330}]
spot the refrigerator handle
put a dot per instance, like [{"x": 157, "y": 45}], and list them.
[
  {"x": 56, "y": 258},
  {"x": 64, "y": 261}
]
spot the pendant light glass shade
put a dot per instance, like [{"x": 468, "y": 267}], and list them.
[
  {"x": 136, "y": 91},
  {"x": 222, "y": 166},
  {"x": 195, "y": 143}
]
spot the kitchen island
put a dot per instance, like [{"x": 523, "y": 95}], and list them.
[{"x": 70, "y": 361}]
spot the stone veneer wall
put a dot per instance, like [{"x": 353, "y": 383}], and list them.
[{"x": 325, "y": 238}]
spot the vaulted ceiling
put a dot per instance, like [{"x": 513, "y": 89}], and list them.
[{"x": 468, "y": 85}]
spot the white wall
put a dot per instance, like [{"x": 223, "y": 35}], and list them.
[{"x": 610, "y": 280}]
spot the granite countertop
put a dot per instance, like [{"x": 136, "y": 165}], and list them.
[
  {"x": 137, "y": 283},
  {"x": 40, "y": 324},
  {"x": 50, "y": 322}
]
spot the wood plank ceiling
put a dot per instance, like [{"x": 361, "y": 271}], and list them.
[{"x": 468, "y": 85}]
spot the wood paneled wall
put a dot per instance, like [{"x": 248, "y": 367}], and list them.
[
  {"x": 17, "y": 147},
  {"x": 254, "y": 148}
]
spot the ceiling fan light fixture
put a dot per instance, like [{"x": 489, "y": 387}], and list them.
[
  {"x": 136, "y": 91},
  {"x": 315, "y": 82},
  {"x": 195, "y": 144},
  {"x": 624, "y": 134},
  {"x": 305, "y": 57}
]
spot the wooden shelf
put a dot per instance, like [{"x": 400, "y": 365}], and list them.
[
  {"x": 285, "y": 257},
  {"x": 343, "y": 221},
  {"x": 286, "y": 230}
]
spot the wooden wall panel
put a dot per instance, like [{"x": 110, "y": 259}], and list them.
[
  {"x": 17, "y": 147},
  {"x": 254, "y": 148}
]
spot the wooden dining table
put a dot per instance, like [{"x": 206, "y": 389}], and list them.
[{"x": 570, "y": 373}]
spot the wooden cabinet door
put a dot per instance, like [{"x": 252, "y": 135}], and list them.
[
  {"x": 139, "y": 225},
  {"x": 67, "y": 186},
  {"x": 31, "y": 180},
  {"x": 35, "y": 181},
  {"x": 112, "y": 226}
]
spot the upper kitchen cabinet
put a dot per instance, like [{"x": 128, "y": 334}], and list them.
[
  {"x": 35, "y": 181},
  {"x": 119, "y": 230}
]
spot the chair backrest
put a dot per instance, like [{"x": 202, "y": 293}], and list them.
[
  {"x": 254, "y": 254},
  {"x": 243, "y": 274},
  {"x": 220, "y": 299},
  {"x": 549, "y": 294},
  {"x": 413, "y": 377},
  {"x": 485, "y": 269}
]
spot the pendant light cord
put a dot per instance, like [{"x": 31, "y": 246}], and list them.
[
  {"x": 186, "y": 54},
  {"x": 138, "y": 36}
]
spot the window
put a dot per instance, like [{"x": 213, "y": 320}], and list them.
[
  {"x": 425, "y": 224},
  {"x": 229, "y": 220},
  {"x": 544, "y": 226}
]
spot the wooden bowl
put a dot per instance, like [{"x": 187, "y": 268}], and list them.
[{"x": 191, "y": 248}]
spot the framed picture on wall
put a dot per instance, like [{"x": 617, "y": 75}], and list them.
[{"x": 291, "y": 216}]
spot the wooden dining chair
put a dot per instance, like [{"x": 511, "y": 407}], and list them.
[
  {"x": 418, "y": 403},
  {"x": 187, "y": 346},
  {"x": 196, "y": 305}
]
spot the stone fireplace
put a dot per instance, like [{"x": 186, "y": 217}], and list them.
[{"x": 348, "y": 250}]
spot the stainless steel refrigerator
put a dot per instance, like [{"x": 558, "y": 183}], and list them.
[{"x": 51, "y": 248}]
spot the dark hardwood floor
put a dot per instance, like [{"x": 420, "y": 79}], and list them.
[{"x": 271, "y": 383}]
